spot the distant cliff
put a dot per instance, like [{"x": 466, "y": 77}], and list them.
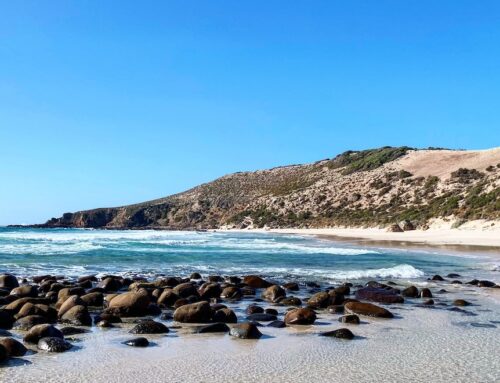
[{"x": 356, "y": 188}]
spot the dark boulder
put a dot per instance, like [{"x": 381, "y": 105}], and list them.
[
  {"x": 291, "y": 301},
  {"x": 137, "y": 342},
  {"x": 277, "y": 324},
  {"x": 69, "y": 330},
  {"x": 380, "y": 295},
  {"x": 291, "y": 286},
  {"x": 245, "y": 330},
  {"x": 341, "y": 333},
  {"x": 425, "y": 293},
  {"x": 263, "y": 317},
  {"x": 410, "y": 292},
  {"x": 28, "y": 322},
  {"x": 213, "y": 327},
  {"x": 256, "y": 282},
  {"x": 53, "y": 344},
  {"x": 461, "y": 302},
  {"x": 225, "y": 315},
  {"x": 351, "y": 318},
  {"x": 149, "y": 327},
  {"x": 367, "y": 309},
  {"x": 14, "y": 348},
  {"x": 8, "y": 281},
  {"x": 41, "y": 331}
]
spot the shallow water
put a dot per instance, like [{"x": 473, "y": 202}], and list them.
[{"x": 418, "y": 345}]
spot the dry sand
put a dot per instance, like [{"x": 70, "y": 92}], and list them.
[{"x": 474, "y": 233}]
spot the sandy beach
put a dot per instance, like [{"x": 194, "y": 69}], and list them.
[{"x": 474, "y": 234}]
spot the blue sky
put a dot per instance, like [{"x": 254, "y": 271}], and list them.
[{"x": 104, "y": 103}]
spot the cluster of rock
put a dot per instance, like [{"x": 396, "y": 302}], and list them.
[{"x": 35, "y": 307}]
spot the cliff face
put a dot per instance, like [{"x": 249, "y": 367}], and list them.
[{"x": 372, "y": 187}]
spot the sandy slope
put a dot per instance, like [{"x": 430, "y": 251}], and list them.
[{"x": 442, "y": 163}]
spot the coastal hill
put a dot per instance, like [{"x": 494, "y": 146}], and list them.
[{"x": 356, "y": 188}]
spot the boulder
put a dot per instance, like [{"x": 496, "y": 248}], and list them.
[
  {"x": 461, "y": 302},
  {"x": 254, "y": 309},
  {"x": 225, "y": 315},
  {"x": 137, "y": 342},
  {"x": 425, "y": 293},
  {"x": 231, "y": 292},
  {"x": 273, "y": 293},
  {"x": 95, "y": 299},
  {"x": 291, "y": 301},
  {"x": 381, "y": 295},
  {"x": 367, "y": 309},
  {"x": 351, "y": 318},
  {"x": 77, "y": 316},
  {"x": 69, "y": 330},
  {"x": 28, "y": 322},
  {"x": 37, "y": 309},
  {"x": 8, "y": 281},
  {"x": 213, "y": 327},
  {"x": 167, "y": 298},
  {"x": 25, "y": 291},
  {"x": 185, "y": 290},
  {"x": 199, "y": 312},
  {"x": 245, "y": 330},
  {"x": 277, "y": 324},
  {"x": 406, "y": 225},
  {"x": 6, "y": 319},
  {"x": 195, "y": 276},
  {"x": 149, "y": 327},
  {"x": 438, "y": 278},
  {"x": 486, "y": 284},
  {"x": 341, "y": 333},
  {"x": 53, "y": 344},
  {"x": 256, "y": 282},
  {"x": 410, "y": 292},
  {"x": 395, "y": 228},
  {"x": 4, "y": 355},
  {"x": 40, "y": 331},
  {"x": 300, "y": 316},
  {"x": 68, "y": 303},
  {"x": 110, "y": 284},
  {"x": 263, "y": 317},
  {"x": 291, "y": 286},
  {"x": 132, "y": 303},
  {"x": 14, "y": 348},
  {"x": 319, "y": 300},
  {"x": 210, "y": 290}
]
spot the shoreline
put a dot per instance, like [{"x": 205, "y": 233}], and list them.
[{"x": 467, "y": 239}]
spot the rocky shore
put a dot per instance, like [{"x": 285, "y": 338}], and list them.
[{"x": 49, "y": 314}]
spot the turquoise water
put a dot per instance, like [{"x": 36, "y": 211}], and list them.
[{"x": 75, "y": 252}]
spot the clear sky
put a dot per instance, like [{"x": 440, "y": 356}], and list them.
[{"x": 104, "y": 103}]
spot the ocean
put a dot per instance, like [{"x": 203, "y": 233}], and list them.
[{"x": 149, "y": 253}]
